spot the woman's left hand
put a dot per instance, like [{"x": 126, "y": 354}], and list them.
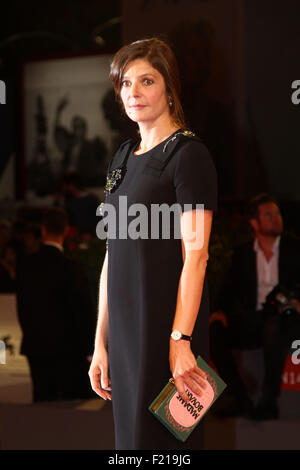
[{"x": 184, "y": 369}]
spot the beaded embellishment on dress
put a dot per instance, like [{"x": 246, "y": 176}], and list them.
[
  {"x": 185, "y": 132},
  {"x": 114, "y": 178}
]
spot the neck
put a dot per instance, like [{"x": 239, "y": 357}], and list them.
[
  {"x": 54, "y": 238},
  {"x": 266, "y": 242},
  {"x": 153, "y": 134}
]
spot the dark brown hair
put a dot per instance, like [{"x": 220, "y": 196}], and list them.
[
  {"x": 55, "y": 220},
  {"x": 256, "y": 201},
  {"x": 159, "y": 54}
]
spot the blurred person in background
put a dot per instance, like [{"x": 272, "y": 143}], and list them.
[
  {"x": 56, "y": 316},
  {"x": 80, "y": 205},
  {"x": 32, "y": 238},
  {"x": 80, "y": 153},
  {"x": 243, "y": 320},
  {"x": 8, "y": 268}
]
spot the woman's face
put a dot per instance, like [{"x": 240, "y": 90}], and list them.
[{"x": 143, "y": 93}]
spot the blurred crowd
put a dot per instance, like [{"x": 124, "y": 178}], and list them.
[
  {"x": 53, "y": 266},
  {"x": 51, "y": 260},
  {"x": 24, "y": 237}
]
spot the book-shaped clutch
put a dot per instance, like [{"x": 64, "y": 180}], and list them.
[{"x": 181, "y": 417}]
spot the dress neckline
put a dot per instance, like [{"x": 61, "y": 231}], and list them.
[{"x": 155, "y": 147}]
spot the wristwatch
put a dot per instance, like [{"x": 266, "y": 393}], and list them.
[{"x": 177, "y": 335}]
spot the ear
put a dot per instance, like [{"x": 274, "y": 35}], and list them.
[{"x": 254, "y": 224}]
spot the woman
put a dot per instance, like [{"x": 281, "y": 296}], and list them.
[{"x": 152, "y": 286}]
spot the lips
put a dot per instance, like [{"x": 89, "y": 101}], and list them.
[{"x": 137, "y": 106}]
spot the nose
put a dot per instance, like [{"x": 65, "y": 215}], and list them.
[{"x": 134, "y": 89}]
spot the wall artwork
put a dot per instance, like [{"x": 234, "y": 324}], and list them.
[{"x": 66, "y": 122}]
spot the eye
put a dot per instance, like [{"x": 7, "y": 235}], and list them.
[
  {"x": 148, "y": 81},
  {"x": 125, "y": 83}
]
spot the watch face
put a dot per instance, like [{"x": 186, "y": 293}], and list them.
[{"x": 176, "y": 334}]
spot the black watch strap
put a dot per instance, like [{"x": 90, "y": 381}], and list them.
[
  {"x": 177, "y": 335},
  {"x": 188, "y": 338}
]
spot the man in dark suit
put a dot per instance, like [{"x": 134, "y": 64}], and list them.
[
  {"x": 241, "y": 319},
  {"x": 56, "y": 316},
  {"x": 80, "y": 205}
]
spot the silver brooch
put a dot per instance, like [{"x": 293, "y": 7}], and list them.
[
  {"x": 186, "y": 133},
  {"x": 114, "y": 179}
]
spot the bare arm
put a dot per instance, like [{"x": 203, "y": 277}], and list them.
[
  {"x": 183, "y": 364},
  {"x": 101, "y": 338},
  {"x": 98, "y": 371}
]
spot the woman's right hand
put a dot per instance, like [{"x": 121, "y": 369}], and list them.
[{"x": 98, "y": 373}]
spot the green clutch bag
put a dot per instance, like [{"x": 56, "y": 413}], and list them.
[{"x": 181, "y": 417}]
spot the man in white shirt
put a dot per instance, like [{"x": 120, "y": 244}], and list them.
[
  {"x": 267, "y": 268},
  {"x": 240, "y": 319}
]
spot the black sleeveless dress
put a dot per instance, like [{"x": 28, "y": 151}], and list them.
[{"x": 143, "y": 278}]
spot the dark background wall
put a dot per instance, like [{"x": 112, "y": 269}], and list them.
[
  {"x": 245, "y": 57},
  {"x": 272, "y": 44},
  {"x": 254, "y": 59},
  {"x": 35, "y": 29}
]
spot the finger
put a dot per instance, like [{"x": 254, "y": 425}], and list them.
[
  {"x": 106, "y": 394},
  {"x": 104, "y": 378},
  {"x": 105, "y": 382},
  {"x": 193, "y": 386},
  {"x": 201, "y": 372},
  {"x": 181, "y": 389},
  {"x": 199, "y": 380},
  {"x": 95, "y": 382},
  {"x": 109, "y": 385},
  {"x": 102, "y": 393},
  {"x": 96, "y": 386}
]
